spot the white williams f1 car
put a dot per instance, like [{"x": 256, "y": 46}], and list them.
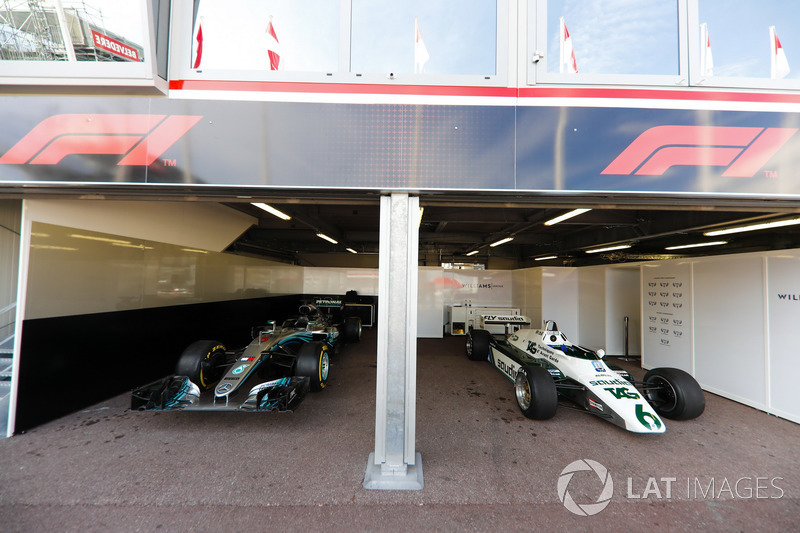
[{"x": 545, "y": 368}]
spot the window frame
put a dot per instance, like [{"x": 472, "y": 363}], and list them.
[
  {"x": 538, "y": 53},
  {"x": 722, "y": 82},
  {"x": 129, "y": 76},
  {"x": 181, "y": 53}
]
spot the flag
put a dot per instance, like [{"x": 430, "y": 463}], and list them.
[
  {"x": 198, "y": 54},
  {"x": 779, "y": 66},
  {"x": 273, "y": 47},
  {"x": 706, "y": 61},
  {"x": 567, "y": 62},
  {"x": 420, "y": 52}
]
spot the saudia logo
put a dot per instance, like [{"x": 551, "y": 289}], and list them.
[
  {"x": 743, "y": 150},
  {"x": 141, "y": 139}
]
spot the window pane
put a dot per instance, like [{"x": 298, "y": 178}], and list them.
[
  {"x": 739, "y": 34},
  {"x": 100, "y": 30},
  {"x": 458, "y": 37},
  {"x": 235, "y": 35},
  {"x": 616, "y": 36}
]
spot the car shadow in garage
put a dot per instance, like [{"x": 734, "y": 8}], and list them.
[{"x": 486, "y": 467}]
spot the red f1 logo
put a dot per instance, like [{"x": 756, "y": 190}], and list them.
[
  {"x": 140, "y": 138},
  {"x": 743, "y": 150}
]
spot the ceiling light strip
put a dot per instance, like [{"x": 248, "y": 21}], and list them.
[
  {"x": 271, "y": 210},
  {"x": 565, "y": 216},
  {"x": 696, "y": 245},
  {"x": 329, "y": 239},
  {"x": 501, "y": 241},
  {"x": 608, "y": 248},
  {"x": 753, "y": 227}
]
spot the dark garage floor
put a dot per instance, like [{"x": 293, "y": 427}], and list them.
[{"x": 486, "y": 468}]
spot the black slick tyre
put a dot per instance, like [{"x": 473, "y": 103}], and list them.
[
  {"x": 674, "y": 393},
  {"x": 313, "y": 362},
  {"x": 536, "y": 393},
  {"x": 477, "y": 345},
  {"x": 352, "y": 329},
  {"x": 203, "y": 362}
]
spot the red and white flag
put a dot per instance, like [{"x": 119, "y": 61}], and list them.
[
  {"x": 273, "y": 47},
  {"x": 706, "y": 61},
  {"x": 198, "y": 48},
  {"x": 779, "y": 66},
  {"x": 421, "y": 55},
  {"x": 567, "y": 61}
]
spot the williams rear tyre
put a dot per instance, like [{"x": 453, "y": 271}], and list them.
[
  {"x": 352, "y": 329},
  {"x": 478, "y": 345},
  {"x": 674, "y": 393},
  {"x": 536, "y": 393},
  {"x": 203, "y": 362},
  {"x": 313, "y": 361}
]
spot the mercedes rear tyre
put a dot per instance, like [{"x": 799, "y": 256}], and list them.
[
  {"x": 674, "y": 393},
  {"x": 203, "y": 362},
  {"x": 536, "y": 393},
  {"x": 313, "y": 361},
  {"x": 352, "y": 329}
]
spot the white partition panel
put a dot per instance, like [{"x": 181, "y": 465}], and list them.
[
  {"x": 591, "y": 308},
  {"x": 430, "y": 303},
  {"x": 560, "y": 299},
  {"x": 479, "y": 288},
  {"x": 527, "y": 293},
  {"x": 783, "y": 301},
  {"x": 667, "y": 314},
  {"x": 623, "y": 299},
  {"x": 340, "y": 280},
  {"x": 730, "y": 328}
]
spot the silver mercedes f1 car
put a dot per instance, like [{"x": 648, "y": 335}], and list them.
[
  {"x": 548, "y": 370},
  {"x": 272, "y": 373}
]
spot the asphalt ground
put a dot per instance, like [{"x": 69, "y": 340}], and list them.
[{"x": 486, "y": 467}]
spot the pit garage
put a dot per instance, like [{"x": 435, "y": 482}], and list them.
[{"x": 148, "y": 204}]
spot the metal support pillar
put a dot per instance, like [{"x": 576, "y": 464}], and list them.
[{"x": 394, "y": 465}]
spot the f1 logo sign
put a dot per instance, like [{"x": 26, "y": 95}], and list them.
[
  {"x": 743, "y": 150},
  {"x": 140, "y": 138}
]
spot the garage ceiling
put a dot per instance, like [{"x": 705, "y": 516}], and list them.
[{"x": 453, "y": 225}]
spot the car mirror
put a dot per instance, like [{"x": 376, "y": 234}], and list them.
[{"x": 601, "y": 353}]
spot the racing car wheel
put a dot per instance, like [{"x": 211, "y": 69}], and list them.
[
  {"x": 313, "y": 361},
  {"x": 477, "y": 345},
  {"x": 674, "y": 393},
  {"x": 536, "y": 393},
  {"x": 203, "y": 362}
]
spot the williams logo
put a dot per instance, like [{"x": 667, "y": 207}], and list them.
[
  {"x": 742, "y": 150},
  {"x": 141, "y": 139},
  {"x": 792, "y": 297}
]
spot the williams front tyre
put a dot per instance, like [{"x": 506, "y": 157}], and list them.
[{"x": 674, "y": 393}]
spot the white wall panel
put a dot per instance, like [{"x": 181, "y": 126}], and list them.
[
  {"x": 74, "y": 272},
  {"x": 591, "y": 308},
  {"x": 203, "y": 225},
  {"x": 729, "y": 327},
  {"x": 623, "y": 299},
  {"x": 481, "y": 288},
  {"x": 783, "y": 301},
  {"x": 430, "y": 303},
  {"x": 560, "y": 299},
  {"x": 527, "y": 293},
  {"x": 667, "y": 314},
  {"x": 340, "y": 280}
]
